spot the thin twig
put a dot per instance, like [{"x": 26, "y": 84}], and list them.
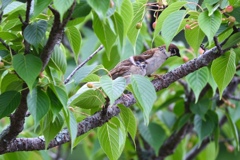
[{"x": 84, "y": 62}]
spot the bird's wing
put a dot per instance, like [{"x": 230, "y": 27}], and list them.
[{"x": 120, "y": 69}]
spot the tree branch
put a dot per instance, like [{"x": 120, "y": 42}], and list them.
[
  {"x": 84, "y": 62},
  {"x": 97, "y": 120},
  {"x": 56, "y": 33},
  {"x": 26, "y": 23},
  {"x": 17, "y": 120}
]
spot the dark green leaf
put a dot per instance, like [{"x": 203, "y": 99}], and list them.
[
  {"x": 9, "y": 101},
  {"x": 38, "y": 104},
  {"x": 201, "y": 107},
  {"x": 58, "y": 59},
  {"x": 27, "y": 67},
  {"x": 154, "y": 134},
  {"x": 35, "y": 32},
  {"x": 52, "y": 129}
]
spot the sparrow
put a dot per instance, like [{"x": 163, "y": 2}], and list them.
[
  {"x": 155, "y": 57},
  {"x": 132, "y": 65}
]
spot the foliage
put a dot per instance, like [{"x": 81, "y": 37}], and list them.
[{"x": 42, "y": 42}]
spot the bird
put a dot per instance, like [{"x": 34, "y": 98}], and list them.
[
  {"x": 132, "y": 65},
  {"x": 155, "y": 57}
]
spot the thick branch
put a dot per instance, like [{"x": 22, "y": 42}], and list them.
[
  {"x": 17, "y": 120},
  {"x": 56, "y": 33},
  {"x": 96, "y": 120}
]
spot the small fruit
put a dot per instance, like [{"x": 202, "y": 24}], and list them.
[
  {"x": 89, "y": 85},
  {"x": 187, "y": 26},
  {"x": 1, "y": 64},
  {"x": 71, "y": 109},
  {"x": 41, "y": 75},
  {"x": 201, "y": 51},
  {"x": 229, "y": 9},
  {"x": 111, "y": 4},
  {"x": 231, "y": 19},
  {"x": 154, "y": 25},
  {"x": 185, "y": 59},
  {"x": 230, "y": 148},
  {"x": 138, "y": 25}
]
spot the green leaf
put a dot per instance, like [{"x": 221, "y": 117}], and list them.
[
  {"x": 9, "y": 101},
  {"x": 62, "y": 6},
  {"x": 201, "y": 107},
  {"x": 171, "y": 25},
  {"x": 90, "y": 99},
  {"x": 74, "y": 99},
  {"x": 27, "y": 67},
  {"x": 74, "y": 37},
  {"x": 234, "y": 129},
  {"x": 210, "y": 152},
  {"x": 129, "y": 121},
  {"x": 182, "y": 120},
  {"x": 203, "y": 128},
  {"x": 38, "y": 104},
  {"x": 154, "y": 134},
  {"x": 118, "y": 26},
  {"x": 8, "y": 36},
  {"x": 52, "y": 129},
  {"x": 104, "y": 33},
  {"x": 80, "y": 138},
  {"x": 212, "y": 83},
  {"x": 56, "y": 105},
  {"x": 198, "y": 80},
  {"x": 126, "y": 11},
  {"x": 223, "y": 70},
  {"x": 139, "y": 11},
  {"x": 144, "y": 93},
  {"x": 71, "y": 125},
  {"x": 61, "y": 94},
  {"x": 170, "y": 9},
  {"x": 111, "y": 139},
  {"x": 83, "y": 73},
  {"x": 40, "y": 6},
  {"x": 10, "y": 82},
  {"x": 210, "y": 24},
  {"x": 58, "y": 59},
  {"x": 233, "y": 40},
  {"x": 35, "y": 32},
  {"x": 82, "y": 9},
  {"x": 196, "y": 40},
  {"x": 100, "y": 7},
  {"x": 113, "y": 88}
]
